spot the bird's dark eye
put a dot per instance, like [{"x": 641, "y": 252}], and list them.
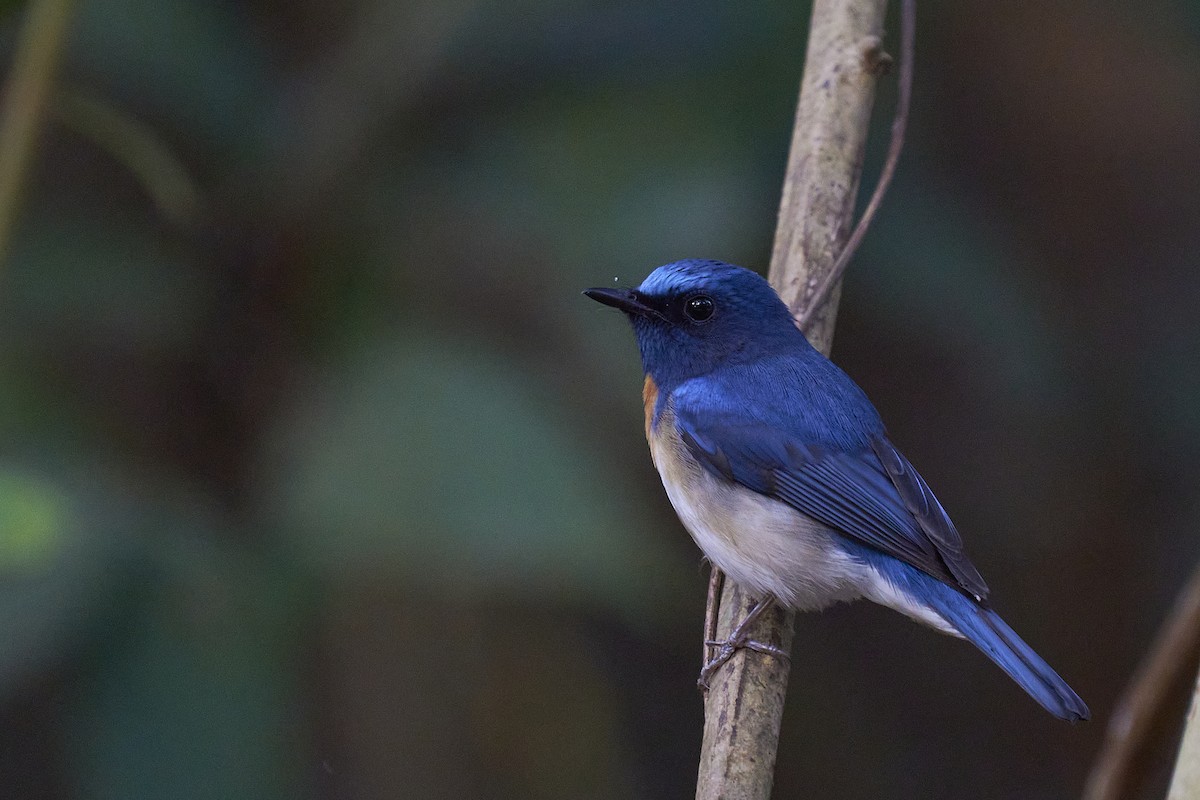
[{"x": 698, "y": 308}]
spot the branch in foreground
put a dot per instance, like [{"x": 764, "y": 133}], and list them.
[
  {"x": 1185, "y": 783},
  {"x": 1140, "y": 721}
]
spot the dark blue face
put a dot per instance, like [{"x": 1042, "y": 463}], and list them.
[{"x": 692, "y": 316}]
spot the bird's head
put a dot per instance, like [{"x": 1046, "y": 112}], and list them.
[{"x": 692, "y": 316}]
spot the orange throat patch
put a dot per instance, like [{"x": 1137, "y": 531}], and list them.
[{"x": 649, "y": 399}]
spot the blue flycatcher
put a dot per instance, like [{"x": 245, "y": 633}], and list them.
[{"x": 781, "y": 469}]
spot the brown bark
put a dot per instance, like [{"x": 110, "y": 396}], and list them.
[{"x": 744, "y": 706}]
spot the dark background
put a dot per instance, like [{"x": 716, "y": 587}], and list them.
[{"x": 319, "y": 479}]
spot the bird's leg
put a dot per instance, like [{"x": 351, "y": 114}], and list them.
[
  {"x": 738, "y": 640},
  {"x": 712, "y": 608}
]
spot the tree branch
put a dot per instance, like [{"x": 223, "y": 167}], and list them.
[
  {"x": 908, "y": 36},
  {"x": 744, "y": 706},
  {"x": 39, "y": 49},
  {"x": 1185, "y": 783},
  {"x": 1141, "y": 721}
]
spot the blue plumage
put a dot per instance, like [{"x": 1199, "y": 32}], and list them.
[{"x": 781, "y": 469}]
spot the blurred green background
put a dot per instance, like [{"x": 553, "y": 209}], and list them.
[{"x": 319, "y": 479}]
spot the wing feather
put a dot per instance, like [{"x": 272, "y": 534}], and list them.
[{"x": 871, "y": 494}]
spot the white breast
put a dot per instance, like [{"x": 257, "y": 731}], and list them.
[
  {"x": 765, "y": 545},
  {"x": 762, "y": 544}
]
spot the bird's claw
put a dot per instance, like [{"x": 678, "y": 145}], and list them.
[{"x": 725, "y": 651}]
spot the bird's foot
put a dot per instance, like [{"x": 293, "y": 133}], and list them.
[
  {"x": 739, "y": 639},
  {"x": 726, "y": 650}
]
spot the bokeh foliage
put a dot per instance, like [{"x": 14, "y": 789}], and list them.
[{"x": 318, "y": 478}]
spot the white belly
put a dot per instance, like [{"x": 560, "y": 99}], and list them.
[
  {"x": 762, "y": 544},
  {"x": 767, "y": 546}
]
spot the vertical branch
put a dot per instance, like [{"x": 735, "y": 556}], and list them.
[
  {"x": 39, "y": 49},
  {"x": 1185, "y": 783},
  {"x": 828, "y": 142},
  {"x": 744, "y": 706},
  {"x": 1143, "y": 720}
]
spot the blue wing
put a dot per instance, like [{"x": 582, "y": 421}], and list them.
[{"x": 828, "y": 457}]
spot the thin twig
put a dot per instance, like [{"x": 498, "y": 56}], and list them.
[
  {"x": 908, "y": 35},
  {"x": 137, "y": 147},
  {"x": 39, "y": 49},
  {"x": 1140, "y": 719}
]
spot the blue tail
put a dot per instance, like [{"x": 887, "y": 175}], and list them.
[{"x": 983, "y": 628}]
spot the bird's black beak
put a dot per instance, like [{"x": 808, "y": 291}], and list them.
[{"x": 628, "y": 300}]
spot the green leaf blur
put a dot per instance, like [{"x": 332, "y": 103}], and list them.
[{"x": 319, "y": 479}]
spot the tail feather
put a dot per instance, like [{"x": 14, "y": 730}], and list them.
[
  {"x": 915, "y": 593},
  {"x": 984, "y": 628}
]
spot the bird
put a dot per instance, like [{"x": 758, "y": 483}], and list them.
[{"x": 782, "y": 471}]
